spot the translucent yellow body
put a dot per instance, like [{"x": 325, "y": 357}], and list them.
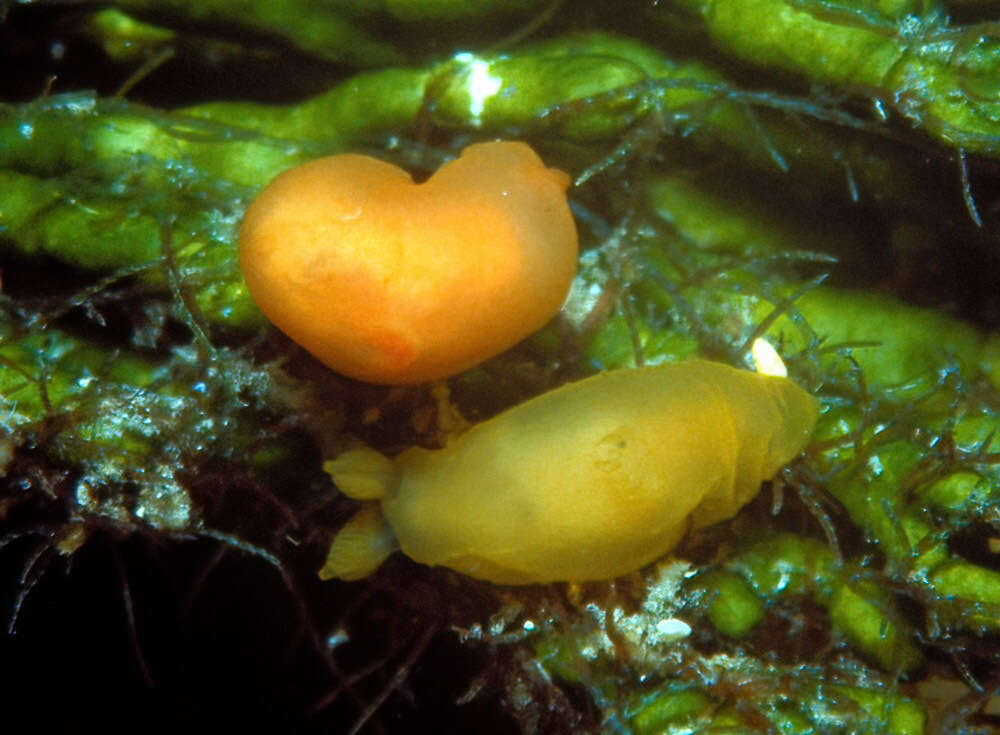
[{"x": 590, "y": 481}]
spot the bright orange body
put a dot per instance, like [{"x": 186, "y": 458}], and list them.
[{"x": 389, "y": 281}]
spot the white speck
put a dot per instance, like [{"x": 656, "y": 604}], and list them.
[
  {"x": 337, "y": 638},
  {"x": 875, "y": 465},
  {"x": 767, "y": 359},
  {"x": 673, "y": 628},
  {"x": 878, "y": 107},
  {"x": 347, "y": 217},
  {"x": 481, "y": 84}
]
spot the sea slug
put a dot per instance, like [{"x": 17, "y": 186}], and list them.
[
  {"x": 393, "y": 282},
  {"x": 589, "y": 481}
]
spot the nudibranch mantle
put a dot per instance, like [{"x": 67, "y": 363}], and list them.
[
  {"x": 389, "y": 281},
  {"x": 590, "y": 481}
]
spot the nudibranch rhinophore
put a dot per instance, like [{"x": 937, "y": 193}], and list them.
[
  {"x": 389, "y": 281},
  {"x": 590, "y": 481}
]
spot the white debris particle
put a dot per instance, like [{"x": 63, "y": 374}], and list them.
[{"x": 480, "y": 84}]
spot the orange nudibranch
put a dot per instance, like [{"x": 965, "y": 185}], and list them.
[{"x": 389, "y": 281}]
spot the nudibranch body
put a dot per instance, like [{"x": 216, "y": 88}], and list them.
[
  {"x": 389, "y": 281},
  {"x": 590, "y": 481}
]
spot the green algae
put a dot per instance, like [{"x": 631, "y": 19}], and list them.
[{"x": 942, "y": 77}]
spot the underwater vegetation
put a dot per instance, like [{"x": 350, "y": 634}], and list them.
[{"x": 824, "y": 176}]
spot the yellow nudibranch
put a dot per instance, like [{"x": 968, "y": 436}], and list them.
[
  {"x": 389, "y": 281},
  {"x": 590, "y": 481}
]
